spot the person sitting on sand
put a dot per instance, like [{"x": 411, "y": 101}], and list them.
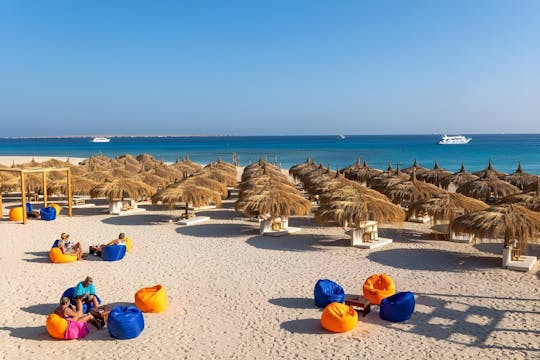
[
  {"x": 68, "y": 248},
  {"x": 67, "y": 311},
  {"x": 85, "y": 293},
  {"x": 97, "y": 250}
]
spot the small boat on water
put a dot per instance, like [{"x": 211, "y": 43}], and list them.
[
  {"x": 341, "y": 137},
  {"x": 101, "y": 140},
  {"x": 453, "y": 140}
]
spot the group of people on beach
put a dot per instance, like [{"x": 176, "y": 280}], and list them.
[
  {"x": 84, "y": 293},
  {"x": 70, "y": 248}
]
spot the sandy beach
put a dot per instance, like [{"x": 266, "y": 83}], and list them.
[{"x": 234, "y": 294}]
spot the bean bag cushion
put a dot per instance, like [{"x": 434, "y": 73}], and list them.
[
  {"x": 377, "y": 287},
  {"x": 125, "y": 322},
  {"x": 86, "y": 306},
  {"x": 151, "y": 299},
  {"x": 57, "y": 256},
  {"x": 48, "y": 213},
  {"x": 16, "y": 214},
  {"x": 57, "y": 207},
  {"x": 56, "y": 326},
  {"x": 326, "y": 292},
  {"x": 113, "y": 252},
  {"x": 398, "y": 307},
  {"x": 129, "y": 245},
  {"x": 338, "y": 317},
  {"x": 29, "y": 207}
]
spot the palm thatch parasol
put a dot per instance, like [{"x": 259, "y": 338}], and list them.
[
  {"x": 350, "y": 207},
  {"x": 80, "y": 185},
  {"x": 520, "y": 178},
  {"x": 188, "y": 193},
  {"x": 458, "y": 178},
  {"x": 507, "y": 222},
  {"x": 118, "y": 188},
  {"x": 155, "y": 181},
  {"x": 534, "y": 187},
  {"x": 445, "y": 206},
  {"x": 490, "y": 172},
  {"x": 528, "y": 201},
  {"x": 204, "y": 180},
  {"x": 414, "y": 168},
  {"x": 410, "y": 191},
  {"x": 487, "y": 189},
  {"x": 298, "y": 171},
  {"x": 270, "y": 200},
  {"x": 434, "y": 176}
]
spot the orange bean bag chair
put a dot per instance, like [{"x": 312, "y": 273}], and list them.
[
  {"x": 57, "y": 207},
  {"x": 56, "y": 326},
  {"x": 338, "y": 317},
  {"x": 129, "y": 245},
  {"x": 151, "y": 299},
  {"x": 57, "y": 256},
  {"x": 16, "y": 214},
  {"x": 378, "y": 287}
]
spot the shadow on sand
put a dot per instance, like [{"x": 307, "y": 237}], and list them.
[
  {"x": 293, "y": 303},
  {"x": 304, "y": 326},
  {"x": 40, "y": 309},
  {"x": 300, "y": 242},
  {"x": 139, "y": 219},
  {"x": 218, "y": 230},
  {"x": 433, "y": 260}
]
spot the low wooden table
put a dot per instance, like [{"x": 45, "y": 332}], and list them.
[
  {"x": 101, "y": 314},
  {"x": 359, "y": 303}
]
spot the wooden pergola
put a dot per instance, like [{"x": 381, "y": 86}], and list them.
[{"x": 23, "y": 172}]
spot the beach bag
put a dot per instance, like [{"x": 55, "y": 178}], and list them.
[
  {"x": 326, "y": 292},
  {"x": 338, "y": 317}
]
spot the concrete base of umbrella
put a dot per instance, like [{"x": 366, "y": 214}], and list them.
[
  {"x": 282, "y": 232},
  {"x": 421, "y": 220},
  {"x": 525, "y": 263},
  {"x": 441, "y": 232},
  {"x": 367, "y": 236},
  {"x": 194, "y": 220}
]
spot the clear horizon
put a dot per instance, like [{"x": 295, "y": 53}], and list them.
[{"x": 278, "y": 68}]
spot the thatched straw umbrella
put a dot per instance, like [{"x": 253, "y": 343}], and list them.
[
  {"x": 458, "y": 178},
  {"x": 407, "y": 192},
  {"x": 350, "y": 207},
  {"x": 528, "y": 201},
  {"x": 350, "y": 171},
  {"x": 298, "y": 171},
  {"x": 445, "y": 206},
  {"x": 223, "y": 176},
  {"x": 490, "y": 172},
  {"x": 534, "y": 187},
  {"x": 507, "y": 222},
  {"x": 80, "y": 185},
  {"x": 276, "y": 203},
  {"x": 155, "y": 181},
  {"x": 204, "y": 181},
  {"x": 188, "y": 193},
  {"x": 117, "y": 189},
  {"x": 434, "y": 176},
  {"x": 520, "y": 178},
  {"x": 488, "y": 189},
  {"x": 414, "y": 168}
]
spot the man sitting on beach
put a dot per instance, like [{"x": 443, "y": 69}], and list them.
[
  {"x": 96, "y": 250},
  {"x": 68, "y": 248},
  {"x": 85, "y": 293}
]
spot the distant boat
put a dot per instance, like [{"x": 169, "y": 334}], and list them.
[
  {"x": 453, "y": 140},
  {"x": 341, "y": 136},
  {"x": 101, "y": 139}
]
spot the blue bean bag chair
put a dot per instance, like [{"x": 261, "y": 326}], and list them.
[
  {"x": 55, "y": 243},
  {"x": 398, "y": 307},
  {"x": 29, "y": 207},
  {"x": 326, "y": 292},
  {"x": 86, "y": 306},
  {"x": 113, "y": 252},
  {"x": 125, "y": 322},
  {"x": 48, "y": 213}
]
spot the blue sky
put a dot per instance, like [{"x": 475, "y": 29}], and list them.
[{"x": 269, "y": 67}]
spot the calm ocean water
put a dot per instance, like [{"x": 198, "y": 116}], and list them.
[{"x": 504, "y": 150}]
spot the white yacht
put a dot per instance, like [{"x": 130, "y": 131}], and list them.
[
  {"x": 341, "y": 137},
  {"x": 453, "y": 140},
  {"x": 101, "y": 139}
]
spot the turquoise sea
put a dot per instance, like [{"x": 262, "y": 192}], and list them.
[{"x": 504, "y": 150}]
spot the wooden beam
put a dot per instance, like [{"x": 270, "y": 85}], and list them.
[
  {"x": 44, "y": 189},
  {"x": 23, "y": 195},
  {"x": 69, "y": 193},
  {"x": 1, "y": 206}
]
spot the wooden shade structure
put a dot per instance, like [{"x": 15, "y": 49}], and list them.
[
  {"x": 23, "y": 173},
  {"x": 458, "y": 178},
  {"x": 446, "y": 206}
]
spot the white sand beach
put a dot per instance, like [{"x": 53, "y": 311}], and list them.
[{"x": 236, "y": 295}]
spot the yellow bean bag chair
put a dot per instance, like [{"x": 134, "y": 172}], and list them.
[
  {"x": 151, "y": 299},
  {"x": 378, "y": 287},
  {"x": 338, "y": 317},
  {"x": 16, "y": 214},
  {"x": 129, "y": 245},
  {"x": 57, "y": 256},
  {"x": 56, "y": 326},
  {"x": 57, "y": 207}
]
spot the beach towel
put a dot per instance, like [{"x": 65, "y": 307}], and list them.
[{"x": 76, "y": 330}]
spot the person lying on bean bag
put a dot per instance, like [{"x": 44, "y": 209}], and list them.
[
  {"x": 98, "y": 249},
  {"x": 68, "y": 312}
]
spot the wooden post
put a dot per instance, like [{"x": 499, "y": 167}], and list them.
[
  {"x": 45, "y": 189},
  {"x": 69, "y": 193},
  {"x": 23, "y": 196},
  {"x": 1, "y": 206}
]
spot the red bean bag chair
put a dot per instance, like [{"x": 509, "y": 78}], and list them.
[
  {"x": 338, "y": 317},
  {"x": 151, "y": 299},
  {"x": 378, "y": 287}
]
